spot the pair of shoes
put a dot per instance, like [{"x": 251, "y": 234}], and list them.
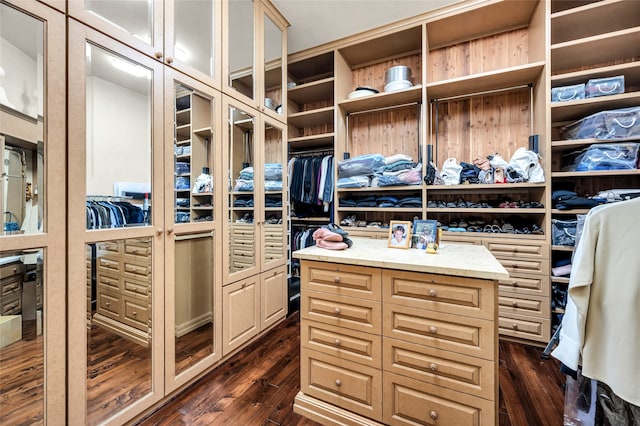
[{"x": 348, "y": 221}]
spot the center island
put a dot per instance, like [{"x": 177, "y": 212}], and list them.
[{"x": 399, "y": 336}]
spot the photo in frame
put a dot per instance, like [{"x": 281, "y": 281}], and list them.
[
  {"x": 399, "y": 234},
  {"x": 424, "y": 232}
]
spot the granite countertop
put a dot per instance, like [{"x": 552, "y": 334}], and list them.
[{"x": 463, "y": 260}]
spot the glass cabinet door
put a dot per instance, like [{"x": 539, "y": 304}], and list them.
[
  {"x": 116, "y": 222},
  {"x": 241, "y": 259},
  {"x": 273, "y": 50},
  {"x": 32, "y": 198},
  {"x": 240, "y": 62},
  {"x": 193, "y": 150},
  {"x": 273, "y": 218}
]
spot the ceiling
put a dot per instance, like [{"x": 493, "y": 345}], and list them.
[{"x": 315, "y": 22}]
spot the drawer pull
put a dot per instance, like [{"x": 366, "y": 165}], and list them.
[
  {"x": 515, "y": 326},
  {"x": 107, "y": 303},
  {"x": 433, "y": 366},
  {"x": 433, "y": 415},
  {"x": 134, "y": 313},
  {"x": 433, "y": 293},
  {"x": 337, "y": 311},
  {"x": 336, "y": 279},
  {"x": 244, "y": 284},
  {"x": 515, "y": 283},
  {"x": 338, "y": 382},
  {"x": 433, "y": 329},
  {"x": 338, "y": 342},
  {"x": 514, "y": 304}
]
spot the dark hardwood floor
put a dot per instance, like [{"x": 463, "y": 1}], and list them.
[{"x": 258, "y": 385}]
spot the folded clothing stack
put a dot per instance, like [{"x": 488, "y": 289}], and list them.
[{"x": 332, "y": 237}]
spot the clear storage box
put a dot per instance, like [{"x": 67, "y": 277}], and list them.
[
  {"x": 613, "y": 124},
  {"x": 605, "y": 86},
  {"x": 568, "y": 93}
]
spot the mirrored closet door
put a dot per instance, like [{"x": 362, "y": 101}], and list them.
[
  {"x": 32, "y": 194},
  {"x": 116, "y": 229}
]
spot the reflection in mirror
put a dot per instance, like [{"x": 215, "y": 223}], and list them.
[
  {"x": 193, "y": 142},
  {"x": 133, "y": 16},
  {"x": 241, "y": 194},
  {"x": 118, "y": 163},
  {"x": 21, "y": 116},
  {"x": 241, "y": 39},
  {"x": 193, "y": 299},
  {"x": 272, "y": 65},
  {"x": 21, "y": 338},
  {"x": 194, "y": 34},
  {"x": 273, "y": 194},
  {"x": 118, "y": 282}
]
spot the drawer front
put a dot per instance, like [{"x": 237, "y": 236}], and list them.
[
  {"x": 243, "y": 252},
  {"x": 349, "y": 385},
  {"x": 137, "y": 248},
  {"x": 348, "y": 312},
  {"x": 108, "y": 280},
  {"x": 520, "y": 283},
  {"x": 10, "y": 286},
  {"x": 105, "y": 248},
  {"x": 135, "y": 313},
  {"x": 11, "y": 269},
  {"x": 344, "y": 280},
  {"x": 138, "y": 271},
  {"x": 536, "y": 306},
  {"x": 109, "y": 304},
  {"x": 520, "y": 265},
  {"x": 458, "y": 372},
  {"x": 342, "y": 343},
  {"x": 518, "y": 249},
  {"x": 11, "y": 304},
  {"x": 108, "y": 264},
  {"x": 529, "y": 328},
  {"x": 138, "y": 289},
  {"x": 441, "y": 293},
  {"x": 411, "y": 402},
  {"x": 470, "y": 336}
]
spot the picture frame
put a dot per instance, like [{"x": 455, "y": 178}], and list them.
[
  {"x": 399, "y": 234},
  {"x": 424, "y": 232}
]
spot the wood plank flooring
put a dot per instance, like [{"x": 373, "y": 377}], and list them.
[{"x": 258, "y": 385}]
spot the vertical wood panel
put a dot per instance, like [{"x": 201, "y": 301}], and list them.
[
  {"x": 385, "y": 133},
  {"x": 374, "y": 75}
]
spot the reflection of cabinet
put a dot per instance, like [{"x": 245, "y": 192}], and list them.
[
  {"x": 11, "y": 288},
  {"x": 387, "y": 344},
  {"x": 123, "y": 277},
  {"x": 585, "y": 46},
  {"x": 192, "y": 149}
]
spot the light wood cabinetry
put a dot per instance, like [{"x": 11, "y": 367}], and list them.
[
  {"x": 585, "y": 45},
  {"x": 386, "y": 345}
]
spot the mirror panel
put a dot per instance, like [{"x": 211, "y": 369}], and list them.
[
  {"x": 242, "y": 233},
  {"x": 193, "y": 156},
  {"x": 194, "y": 278},
  {"x": 118, "y": 282},
  {"x": 272, "y": 65},
  {"x": 22, "y": 118},
  {"x": 275, "y": 222},
  {"x": 133, "y": 16},
  {"x": 22, "y": 319},
  {"x": 194, "y": 34},
  {"x": 118, "y": 148},
  {"x": 241, "y": 47}
]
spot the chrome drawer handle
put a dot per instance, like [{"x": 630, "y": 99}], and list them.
[
  {"x": 433, "y": 367},
  {"x": 433, "y": 293},
  {"x": 433, "y": 415},
  {"x": 338, "y": 342},
  {"x": 433, "y": 329},
  {"x": 337, "y": 311},
  {"x": 338, "y": 382}
]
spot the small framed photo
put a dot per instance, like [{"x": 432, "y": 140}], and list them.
[
  {"x": 424, "y": 232},
  {"x": 399, "y": 234}
]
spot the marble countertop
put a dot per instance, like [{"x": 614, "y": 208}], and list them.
[{"x": 463, "y": 260}]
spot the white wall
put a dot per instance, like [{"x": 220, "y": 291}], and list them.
[{"x": 20, "y": 81}]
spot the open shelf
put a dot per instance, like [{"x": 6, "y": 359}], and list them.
[
  {"x": 573, "y": 110},
  {"x": 596, "y": 173},
  {"x": 311, "y": 92},
  {"x": 311, "y": 141},
  {"x": 382, "y": 100},
  {"x": 312, "y": 117}
]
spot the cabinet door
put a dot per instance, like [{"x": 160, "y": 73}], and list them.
[
  {"x": 273, "y": 49},
  {"x": 32, "y": 249},
  {"x": 241, "y": 313},
  {"x": 242, "y": 259},
  {"x": 273, "y": 296},
  {"x": 272, "y": 178},
  {"x": 192, "y": 268},
  {"x": 239, "y": 55},
  {"x": 115, "y": 201}
]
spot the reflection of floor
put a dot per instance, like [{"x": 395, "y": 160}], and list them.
[
  {"x": 118, "y": 373},
  {"x": 22, "y": 379},
  {"x": 193, "y": 347}
]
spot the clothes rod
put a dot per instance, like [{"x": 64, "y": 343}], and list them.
[
  {"x": 486, "y": 92},
  {"x": 367, "y": 111}
]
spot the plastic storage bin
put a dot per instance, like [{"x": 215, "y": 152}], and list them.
[
  {"x": 613, "y": 124},
  {"x": 605, "y": 86},
  {"x": 182, "y": 168},
  {"x": 563, "y": 232},
  {"x": 568, "y": 93}
]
